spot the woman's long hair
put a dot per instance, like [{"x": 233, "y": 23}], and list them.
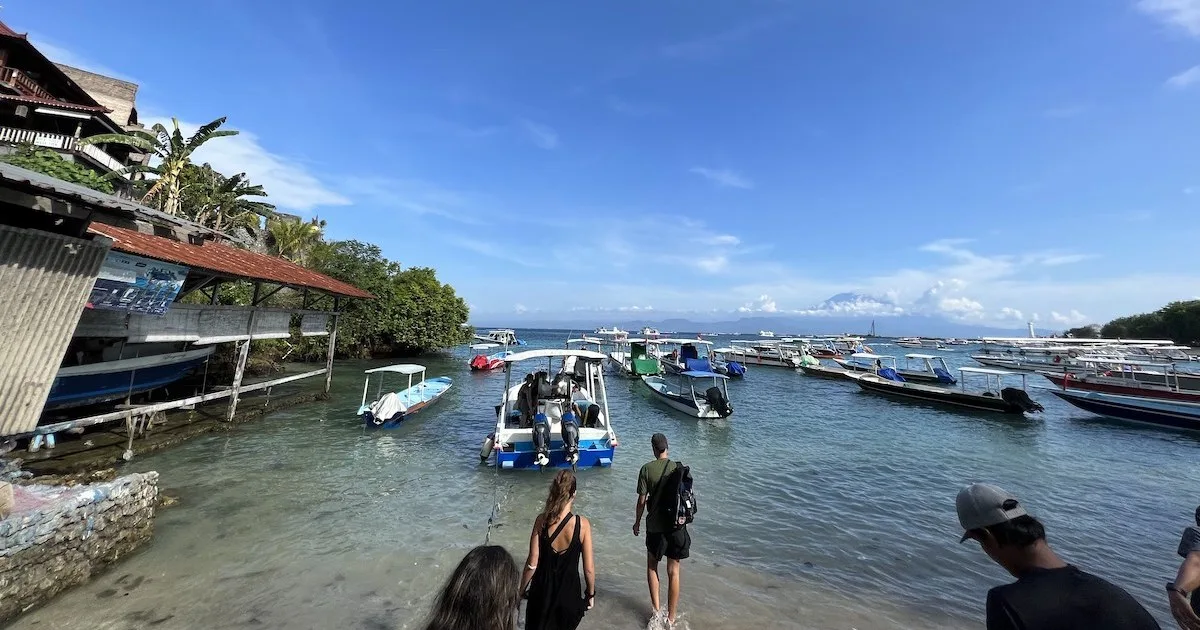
[
  {"x": 481, "y": 594},
  {"x": 561, "y": 491}
]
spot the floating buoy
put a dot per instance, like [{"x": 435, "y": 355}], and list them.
[{"x": 489, "y": 443}]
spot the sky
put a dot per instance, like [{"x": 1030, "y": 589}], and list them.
[{"x": 988, "y": 162}]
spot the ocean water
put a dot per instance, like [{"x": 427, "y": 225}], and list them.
[{"x": 820, "y": 507}]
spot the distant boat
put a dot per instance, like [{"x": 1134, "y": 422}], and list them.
[
  {"x": 388, "y": 410},
  {"x": 679, "y": 391},
  {"x": 909, "y": 342},
  {"x": 923, "y": 368},
  {"x": 106, "y": 381},
  {"x": 765, "y": 333},
  {"x": 502, "y": 336},
  {"x": 650, "y": 333}
]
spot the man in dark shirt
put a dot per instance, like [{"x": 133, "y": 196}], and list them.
[
  {"x": 663, "y": 538},
  {"x": 1049, "y": 594},
  {"x": 1187, "y": 582}
]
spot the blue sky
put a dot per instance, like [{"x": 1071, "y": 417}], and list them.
[{"x": 982, "y": 161}]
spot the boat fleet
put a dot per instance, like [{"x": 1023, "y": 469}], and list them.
[{"x": 553, "y": 409}]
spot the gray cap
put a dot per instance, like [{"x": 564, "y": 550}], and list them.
[{"x": 983, "y": 505}]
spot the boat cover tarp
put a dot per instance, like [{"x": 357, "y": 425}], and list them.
[
  {"x": 891, "y": 375},
  {"x": 943, "y": 376},
  {"x": 697, "y": 365},
  {"x": 388, "y": 407}
]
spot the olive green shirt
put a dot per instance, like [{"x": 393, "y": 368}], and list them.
[{"x": 650, "y": 479}]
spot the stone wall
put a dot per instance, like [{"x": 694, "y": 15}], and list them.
[
  {"x": 115, "y": 94},
  {"x": 58, "y": 536}
]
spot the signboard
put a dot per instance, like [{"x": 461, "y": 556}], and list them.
[{"x": 136, "y": 285}]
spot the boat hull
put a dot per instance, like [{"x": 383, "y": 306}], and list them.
[
  {"x": 592, "y": 454},
  {"x": 909, "y": 375},
  {"x": 1117, "y": 387},
  {"x": 95, "y": 383},
  {"x": 824, "y": 371},
  {"x": 761, "y": 361},
  {"x": 948, "y": 397},
  {"x": 681, "y": 403},
  {"x": 1160, "y": 413}
]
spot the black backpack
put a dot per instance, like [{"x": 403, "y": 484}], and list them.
[{"x": 677, "y": 501}]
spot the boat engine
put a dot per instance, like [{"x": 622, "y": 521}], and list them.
[
  {"x": 541, "y": 440},
  {"x": 570, "y": 437},
  {"x": 718, "y": 402},
  {"x": 1020, "y": 398}
]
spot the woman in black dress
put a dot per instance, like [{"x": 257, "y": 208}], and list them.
[{"x": 558, "y": 542}]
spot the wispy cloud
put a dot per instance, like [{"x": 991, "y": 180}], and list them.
[
  {"x": 1185, "y": 79},
  {"x": 66, "y": 56},
  {"x": 1184, "y": 14},
  {"x": 491, "y": 250},
  {"x": 723, "y": 177},
  {"x": 413, "y": 197},
  {"x": 540, "y": 135},
  {"x": 627, "y": 108},
  {"x": 288, "y": 181}
]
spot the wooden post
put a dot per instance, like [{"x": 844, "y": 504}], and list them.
[
  {"x": 332, "y": 346},
  {"x": 240, "y": 369}
]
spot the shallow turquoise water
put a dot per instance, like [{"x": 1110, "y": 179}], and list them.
[{"x": 821, "y": 506}]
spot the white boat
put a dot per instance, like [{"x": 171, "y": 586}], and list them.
[
  {"x": 920, "y": 368},
  {"x": 768, "y": 353},
  {"x": 536, "y": 423},
  {"x": 1154, "y": 411},
  {"x": 650, "y": 333},
  {"x": 614, "y": 333},
  {"x": 501, "y": 336},
  {"x": 993, "y": 396},
  {"x": 388, "y": 410},
  {"x": 679, "y": 391},
  {"x": 909, "y": 342},
  {"x": 765, "y": 333}
]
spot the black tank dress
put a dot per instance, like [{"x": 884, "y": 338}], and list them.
[{"x": 556, "y": 594}]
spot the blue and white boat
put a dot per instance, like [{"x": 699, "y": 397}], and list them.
[
  {"x": 1154, "y": 411},
  {"x": 556, "y": 417},
  {"x": 388, "y": 410},
  {"x": 106, "y": 381},
  {"x": 679, "y": 391}
]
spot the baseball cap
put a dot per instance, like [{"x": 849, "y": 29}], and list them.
[{"x": 983, "y": 505}]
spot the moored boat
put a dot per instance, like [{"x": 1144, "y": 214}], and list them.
[
  {"x": 1130, "y": 378},
  {"x": 106, "y": 381},
  {"x": 1153, "y": 411},
  {"x": 767, "y": 353},
  {"x": 557, "y": 421},
  {"x": 993, "y": 396},
  {"x": 388, "y": 410},
  {"x": 825, "y": 371},
  {"x": 501, "y": 336},
  {"x": 633, "y": 357},
  {"x": 678, "y": 391}
]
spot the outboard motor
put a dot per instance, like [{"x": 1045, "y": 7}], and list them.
[
  {"x": 541, "y": 440},
  {"x": 1020, "y": 398},
  {"x": 718, "y": 402},
  {"x": 570, "y": 437}
]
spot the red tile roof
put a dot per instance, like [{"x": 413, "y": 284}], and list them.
[
  {"x": 5, "y": 30},
  {"x": 226, "y": 261},
  {"x": 49, "y": 102}
]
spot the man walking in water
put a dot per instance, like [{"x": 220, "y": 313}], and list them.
[
  {"x": 663, "y": 538},
  {"x": 1049, "y": 594}
]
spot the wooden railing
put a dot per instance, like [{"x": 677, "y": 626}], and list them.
[
  {"x": 60, "y": 142},
  {"x": 24, "y": 83}
]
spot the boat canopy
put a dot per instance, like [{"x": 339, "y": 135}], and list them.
[
  {"x": 399, "y": 368},
  {"x": 694, "y": 374},
  {"x": 484, "y": 346},
  {"x": 553, "y": 352},
  {"x": 975, "y": 370},
  {"x": 595, "y": 340},
  {"x": 681, "y": 341},
  {"x": 1120, "y": 361},
  {"x": 921, "y": 356},
  {"x": 868, "y": 355}
]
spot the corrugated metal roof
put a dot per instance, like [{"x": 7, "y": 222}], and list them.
[
  {"x": 47, "y": 279},
  {"x": 226, "y": 261}
]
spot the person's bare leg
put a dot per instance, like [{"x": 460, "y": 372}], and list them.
[
  {"x": 673, "y": 576},
  {"x": 652, "y": 580}
]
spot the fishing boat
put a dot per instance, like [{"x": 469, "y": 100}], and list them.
[
  {"x": 388, "y": 410},
  {"x": 106, "y": 381},
  {"x": 993, "y": 396},
  {"x": 501, "y": 336},
  {"x": 1130, "y": 378},
  {"x": 552, "y": 422},
  {"x": 824, "y": 371},
  {"x": 614, "y": 333},
  {"x": 767, "y": 353},
  {"x": 909, "y": 342},
  {"x": 678, "y": 391},
  {"x": 1161, "y": 412},
  {"x": 766, "y": 333},
  {"x": 922, "y": 368},
  {"x": 632, "y": 358}
]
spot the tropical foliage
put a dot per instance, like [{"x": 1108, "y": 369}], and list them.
[
  {"x": 51, "y": 163},
  {"x": 170, "y": 153},
  {"x": 293, "y": 239},
  {"x": 1178, "y": 321},
  {"x": 222, "y": 203}
]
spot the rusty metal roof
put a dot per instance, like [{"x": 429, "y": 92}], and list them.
[{"x": 226, "y": 261}]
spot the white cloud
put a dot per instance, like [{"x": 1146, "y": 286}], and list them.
[
  {"x": 1186, "y": 78},
  {"x": 1184, "y": 14},
  {"x": 1012, "y": 313},
  {"x": 764, "y": 304},
  {"x": 961, "y": 306},
  {"x": 722, "y": 239},
  {"x": 287, "y": 180},
  {"x": 1072, "y": 318},
  {"x": 711, "y": 264},
  {"x": 520, "y": 309},
  {"x": 723, "y": 177},
  {"x": 540, "y": 135}
]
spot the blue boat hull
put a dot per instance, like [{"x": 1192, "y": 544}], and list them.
[
  {"x": 88, "y": 389},
  {"x": 1139, "y": 413},
  {"x": 592, "y": 453},
  {"x": 413, "y": 410}
]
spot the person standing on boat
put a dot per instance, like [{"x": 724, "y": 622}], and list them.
[
  {"x": 663, "y": 538},
  {"x": 1049, "y": 594},
  {"x": 1184, "y": 593},
  {"x": 481, "y": 594},
  {"x": 559, "y": 541}
]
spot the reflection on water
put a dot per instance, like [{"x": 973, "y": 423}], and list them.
[{"x": 820, "y": 507}]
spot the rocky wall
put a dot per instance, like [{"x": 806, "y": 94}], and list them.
[{"x": 57, "y": 537}]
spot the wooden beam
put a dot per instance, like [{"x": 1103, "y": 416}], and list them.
[
  {"x": 240, "y": 369},
  {"x": 329, "y": 354},
  {"x": 269, "y": 294}
]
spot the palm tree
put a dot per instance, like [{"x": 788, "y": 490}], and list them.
[
  {"x": 172, "y": 151},
  {"x": 293, "y": 239},
  {"x": 228, "y": 204}
]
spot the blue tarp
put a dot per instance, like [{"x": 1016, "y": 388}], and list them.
[
  {"x": 694, "y": 374},
  {"x": 697, "y": 365}
]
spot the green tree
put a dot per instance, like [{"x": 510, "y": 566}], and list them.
[
  {"x": 293, "y": 239},
  {"x": 1091, "y": 331},
  {"x": 412, "y": 311},
  {"x": 50, "y": 163},
  {"x": 171, "y": 153},
  {"x": 222, "y": 203}
]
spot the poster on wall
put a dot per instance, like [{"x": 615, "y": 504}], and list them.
[{"x": 136, "y": 285}]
